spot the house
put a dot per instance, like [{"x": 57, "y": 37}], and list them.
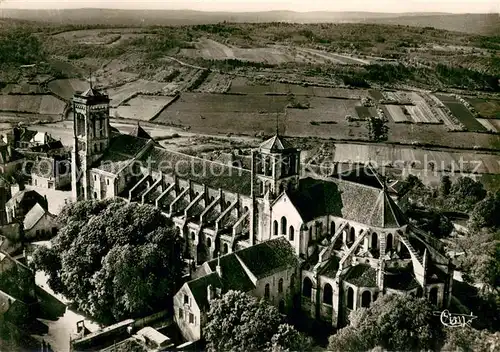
[
  {"x": 10, "y": 160},
  {"x": 22, "y": 202},
  {"x": 268, "y": 270},
  {"x": 39, "y": 224},
  {"x": 24, "y": 138}
]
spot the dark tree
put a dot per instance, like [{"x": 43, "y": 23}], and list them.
[
  {"x": 377, "y": 129},
  {"x": 113, "y": 259},
  {"x": 445, "y": 186},
  {"x": 239, "y": 322},
  {"x": 393, "y": 322}
]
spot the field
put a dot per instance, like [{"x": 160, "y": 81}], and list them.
[
  {"x": 242, "y": 85},
  {"x": 33, "y": 104},
  {"x": 100, "y": 36},
  {"x": 397, "y": 114},
  {"x": 66, "y": 88},
  {"x": 490, "y": 124},
  {"x": 213, "y": 50},
  {"x": 421, "y": 158},
  {"x": 324, "y": 56},
  {"x": 486, "y": 108},
  {"x": 120, "y": 94},
  {"x": 365, "y": 112},
  {"x": 221, "y": 113},
  {"x": 142, "y": 107},
  {"x": 461, "y": 113},
  {"x": 215, "y": 83}
]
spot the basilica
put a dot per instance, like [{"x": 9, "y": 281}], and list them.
[{"x": 321, "y": 245}]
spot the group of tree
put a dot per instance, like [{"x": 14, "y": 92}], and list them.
[
  {"x": 240, "y": 322},
  {"x": 462, "y": 195},
  {"x": 113, "y": 259},
  {"x": 377, "y": 129},
  {"x": 19, "y": 46},
  {"x": 405, "y": 323}
]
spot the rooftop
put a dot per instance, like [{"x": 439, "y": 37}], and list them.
[
  {"x": 276, "y": 144},
  {"x": 362, "y": 275},
  {"x": 348, "y": 200}
]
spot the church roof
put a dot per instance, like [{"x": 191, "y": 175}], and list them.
[
  {"x": 276, "y": 143},
  {"x": 348, "y": 200},
  {"x": 27, "y": 199},
  {"x": 92, "y": 92},
  {"x": 213, "y": 174},
  {"x": 138, "y": 131}
]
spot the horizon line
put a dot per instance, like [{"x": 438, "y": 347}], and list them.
[{"x": 430, "y": 13}]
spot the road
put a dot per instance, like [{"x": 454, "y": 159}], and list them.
[{"x": 63, "y": 130}]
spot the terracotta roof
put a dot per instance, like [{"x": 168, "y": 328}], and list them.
[
  {"x": 213, "y": 174},
  {"x": 276, "y": 143},
  {"x": 45, "y": 148},
  {"x": 33, "y": 216},
  {"x": 351, "y": 201},
  {"x": 362, "y": 275},
  {"x": 138, "y": 131}
]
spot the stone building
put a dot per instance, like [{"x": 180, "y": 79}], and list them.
[{"x": 351, "y": 239}]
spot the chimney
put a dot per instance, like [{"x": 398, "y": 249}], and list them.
[
  {"x": 210, "y": 293},
  {"x": 218, "y": 268}
]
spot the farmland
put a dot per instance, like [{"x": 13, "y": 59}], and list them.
[
  {"x": 121, "y": 94},
  {"x": 487, "y": 108},
  {"x": 461, "y": 113},
  {"x": 416, "y": 158},
  {"x": 32, "y": 104},
  {"x": 221, "y": 113},
  {"x": 66, "y": 88},
  {"x": 142, "y": 107}
]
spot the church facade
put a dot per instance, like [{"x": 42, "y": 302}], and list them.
[{"x": 351, "y": 241}]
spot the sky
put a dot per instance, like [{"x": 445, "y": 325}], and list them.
[{"x": 454, "y": 6}]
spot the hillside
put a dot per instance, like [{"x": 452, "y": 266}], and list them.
[{"x": 468, "y": 23}]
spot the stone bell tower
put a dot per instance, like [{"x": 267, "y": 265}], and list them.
[{"x": 91, "y": 133}]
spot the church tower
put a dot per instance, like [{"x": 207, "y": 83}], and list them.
[
  {"x": 277, "y": 167},
  {"x": 91, "y": 134}
]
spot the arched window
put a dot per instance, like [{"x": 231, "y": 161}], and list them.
[
  {"x": 291, "y": 233},
  {"x": 328, "y": 294},
  {"x": 366, "y": 299},
  {"x": 283, "y": 225},
  {"x": 433, "y": 296},
  {"x": 226, "y": 248},
  {"x": 245, "y": 210},
  {"x": 95, "y": 195},
  {"x": 307, "y": 288},
  {"x": 388, "y": 242},
  {"x": 267, "y": 291},
  {"x": 419, "y": 292},
  {"x": 350, "y": 298},
  {"x": 275, "y": 228},
  {"x": 209, "y": 242},
  {"x": 374, "y": 240},
  {"x": 280, "y": 285},
  {"x": 332, "y": 228},
  {"x": 193, "y": 236}
]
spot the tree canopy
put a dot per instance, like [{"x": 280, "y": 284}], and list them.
[
  {"x": 239, "y": 322},
  {"x": 113, "y": 259},
  {"x": 393, "y": 322}
]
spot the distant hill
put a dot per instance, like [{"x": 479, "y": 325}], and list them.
[
  {"x": 470, "y": 23},
  {"x": 487, "y": 24}
]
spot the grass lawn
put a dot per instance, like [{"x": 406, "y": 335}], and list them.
[{"x": 461, "y": 113}]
